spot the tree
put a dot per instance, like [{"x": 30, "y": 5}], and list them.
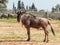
[
  {"x": 3, "y": 5},
  {"x": 22, "y": 6},
  {"x": 4, "y": 2},
  {"x": 19, "y": 4},
  {"x": 33, "y": 6},
  {"x": 27, "y": 8},
  {"x": 53, "y": 9},
  {"x": 30, "y": 9},
  {"x": 14, "y": 8},
  {"x": 57, "y": 6}
]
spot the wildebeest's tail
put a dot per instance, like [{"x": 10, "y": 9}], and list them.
[{"x": 51, "y": 28}]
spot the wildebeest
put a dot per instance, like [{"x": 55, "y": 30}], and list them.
[
  {"x": 8, "y": 16},
  {"x": 4, "y": 16},
  {"x": 11, "y": 15},
  {"x": 29, "y": 20}
]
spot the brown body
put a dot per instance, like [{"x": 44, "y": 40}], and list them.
[{"x": 28, "y": 20}]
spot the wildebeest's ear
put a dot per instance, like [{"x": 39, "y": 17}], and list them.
[
  {"x": 23, "y": 11},
  {"x": 18, "y": 12}
]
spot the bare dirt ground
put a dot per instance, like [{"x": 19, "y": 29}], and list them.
[{"x": 15, "y": 34}]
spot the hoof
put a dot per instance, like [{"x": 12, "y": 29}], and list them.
[
  {"x": 44, "y": 40},
  {"x": 28, "y": 39},
  {"x": 47, "y": 41}
]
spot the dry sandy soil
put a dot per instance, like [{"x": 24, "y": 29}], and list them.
[{"x": 15, "y": 34}]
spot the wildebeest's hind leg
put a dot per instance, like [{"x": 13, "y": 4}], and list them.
[
  {"x": 46, "y": 35},
  {"x": 28, "y": 33}
]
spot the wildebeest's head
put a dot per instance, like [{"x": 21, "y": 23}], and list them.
[{"x": 19, "y": 13}]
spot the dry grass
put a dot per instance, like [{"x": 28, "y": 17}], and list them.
[{"x": 15, "y": 34}]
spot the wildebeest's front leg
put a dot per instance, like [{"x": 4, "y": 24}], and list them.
[{"x": 28, "y": 32}]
